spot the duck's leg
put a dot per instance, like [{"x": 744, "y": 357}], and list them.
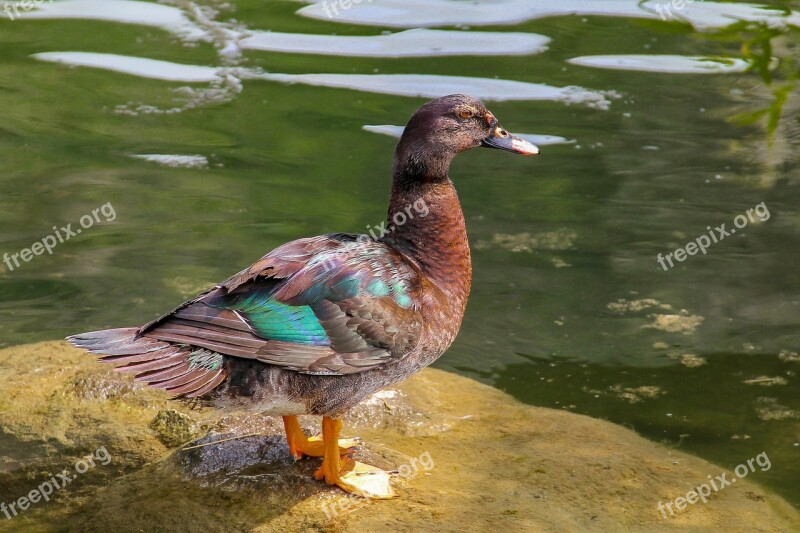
[
  {"x": 300, "y": 445},
  {"x": 355, "y": 478}
]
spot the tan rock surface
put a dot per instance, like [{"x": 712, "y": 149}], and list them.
[{"x": 469, "y": 458}]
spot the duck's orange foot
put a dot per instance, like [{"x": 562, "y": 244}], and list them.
[
  {"x": 314, "y": 446},
  {"x": 301, "y": 446},
  {"x": 340, "y": 470},
  {"x": 337, "y": 468},
  {"x": 356, "y": 478}
]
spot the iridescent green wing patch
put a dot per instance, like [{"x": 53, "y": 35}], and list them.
[{"x": 271, "y": 319}]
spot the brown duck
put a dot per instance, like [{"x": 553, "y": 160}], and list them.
[{"x": 319, "y": 324}]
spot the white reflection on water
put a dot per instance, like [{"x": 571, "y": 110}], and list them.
[
  {"x": 410, "y": 43},
  {"x": 197, "y": 25},
  {"x": 167, "y": 18},
  {"x": 175, "y": 160},
  {"x": 703, "y": 15},
  {"x": 540, "y": 140},
  {"x": 428, "y": 13},
  {"x": 422, "y": 85},
  {"x": 192, "y": 22},
  {"x": 433, "y": 86},
  {"x": 135, "y": 66},
  {"x": 673, "y": 64}
]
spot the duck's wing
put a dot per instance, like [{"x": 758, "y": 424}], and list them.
[{"x": 333, "y": 305}]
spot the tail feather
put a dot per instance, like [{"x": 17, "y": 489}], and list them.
[
  {"x": 142, "y": 358},
  {"x": 190, "y": 386},
  {"x": 164, "y": 373},
  {"x": 155, "y": 364},
  {"x": 160, "y": 363},
  {"x": 142, "y": 346},
  {"x": 211, "y": 385},
  {"x": 183, "y": 379},
  {"x": 108, "y": 335}
]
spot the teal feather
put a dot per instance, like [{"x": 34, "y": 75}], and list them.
[
  {"x": 403, "y": 301},
  {"x": 344, "y": 289},
  {"x": 400, "y": 295},
  {"x": 283, "y": 311},
  {"x": 378, "y": 288},
  {"x": 272, "y": 319}
]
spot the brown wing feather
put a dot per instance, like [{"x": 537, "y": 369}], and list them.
[{"x": 365, "y": 332}]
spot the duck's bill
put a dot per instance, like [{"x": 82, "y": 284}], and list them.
[{"x": 502, "y": 140}]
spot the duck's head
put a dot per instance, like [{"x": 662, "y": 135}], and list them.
[{"x": 448, "y": 126}]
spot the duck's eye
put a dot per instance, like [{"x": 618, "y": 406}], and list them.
[{"x": 466, "y": 113}]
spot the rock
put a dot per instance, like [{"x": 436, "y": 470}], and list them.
[
  {"x": 174, "y": 428},
  {"x": 467, "y": 458}
]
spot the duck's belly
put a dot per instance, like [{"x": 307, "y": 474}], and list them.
[
  {"x": 263, "y": 388},
  {"x": 276, "y": 404},
  {"x": 260, "y": 388}
]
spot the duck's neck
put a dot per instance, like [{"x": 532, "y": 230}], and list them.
[{"x": 425, "y": 223}]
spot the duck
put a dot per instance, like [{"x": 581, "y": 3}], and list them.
[{"x": 321, "y": 323}]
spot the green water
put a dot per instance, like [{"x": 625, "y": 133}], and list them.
[{"x": 556, "y": 239}]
